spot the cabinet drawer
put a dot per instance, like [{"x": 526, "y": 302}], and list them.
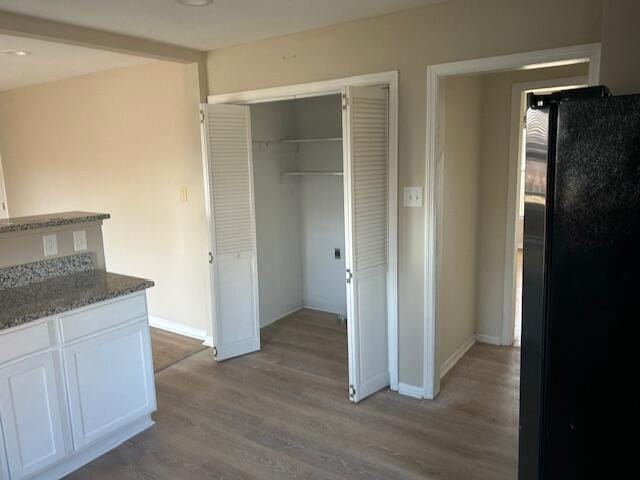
[
  {"x": 101, "y": 317},
  {"x": 16, "y": 343}
]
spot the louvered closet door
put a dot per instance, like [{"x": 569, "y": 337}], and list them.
[
  {"x": 365, "y": 124},
  {"x": 234, "y": 269}
]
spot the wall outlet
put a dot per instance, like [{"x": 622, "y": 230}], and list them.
[
  {"x": 80, "y": 241},
  {"x": 50, "y": 243},
  {"x": 413, "y": 197},
  {"x": 337, "y": 254}
]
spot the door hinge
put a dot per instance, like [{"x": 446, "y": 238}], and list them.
[
  {"x": 215, "y": 352},
  {"x": 345, "y": 101},
  {"x": 201, "y": 116},
  {"x": 210, "y": 257},
  {"x": 349, "y": 276},
  {"x": 352, "y": 392}
]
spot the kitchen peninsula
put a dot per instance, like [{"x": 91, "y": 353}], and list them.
[{"x": 76, "y": 373}]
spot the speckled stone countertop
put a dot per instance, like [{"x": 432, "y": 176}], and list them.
[
  {"x": 18, "y": 224},
  {"x": 27, "y": 303}
]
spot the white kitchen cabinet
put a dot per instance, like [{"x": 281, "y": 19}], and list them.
[
  {"x": 110, "y": 382},
  {"x": 31, "y": 414}
]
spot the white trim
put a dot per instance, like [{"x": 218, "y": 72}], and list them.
[
  {"x": 177, "y": 328},
  {"x": 303, "y": 90},
  {"x": 456, "y": 356},
  {"x": 410, "y": 390},
  {"x": 489, "y": 339},
  {"x": 333, "y": 87},
  {"x": 519, "y": 61},
  {"x": 286, "y": 314},
  {"x": 513, "y": 195}
]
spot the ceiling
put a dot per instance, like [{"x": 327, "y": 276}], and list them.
[
  {"x": 53, "y": 61},
  {"x": 223, "y": 23}
]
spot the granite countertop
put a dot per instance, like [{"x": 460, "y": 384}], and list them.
[
  {"x": 18, "y": 224},
  {"x": 25, "y": 304}
]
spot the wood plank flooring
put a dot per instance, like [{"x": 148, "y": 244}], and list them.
[
  {"x": 169, "y": 348},
  {"x": 284, "y": 413}
]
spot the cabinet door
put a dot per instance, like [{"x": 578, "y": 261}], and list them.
[
  {"x": 30, "y": 414},
  {"x": 110, "y": 381}
]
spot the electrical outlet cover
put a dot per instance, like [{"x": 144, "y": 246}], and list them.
[
  {"x": 413, "y": 196},
  {"x": 50, "y": 244},
  {"x": 80, "y": 241}
]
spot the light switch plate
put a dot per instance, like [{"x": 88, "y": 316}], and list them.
[
  {"x": 80, "y": 241},
  {"x": 413, "y": 197},
  {"x": 50, "y": 244}
]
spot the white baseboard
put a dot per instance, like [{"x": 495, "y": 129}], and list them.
[
  {"x": 208, "y": 341},
  {"x": 99, "y": 448},
  {"x": 286, "y": 314},
  {"x": 325, "y": 309},
  {"x": 457, "y": 355},
  {"x": 178, "y": 328},
  {"x": 410, "y": 390},
  {"x": 491, "y": 340}
]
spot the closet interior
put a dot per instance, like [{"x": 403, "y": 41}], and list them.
[{"x": 299, "y": 206}]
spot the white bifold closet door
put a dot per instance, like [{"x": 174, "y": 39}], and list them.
[
  {"x": 234, "y": 270},
  {"x": 366, "y": 170}
]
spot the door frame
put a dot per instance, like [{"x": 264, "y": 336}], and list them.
[
  {"x": 513, "y": 195},
  {"x": 434, "y": 171},
  {"x": 335, "y": 87}
]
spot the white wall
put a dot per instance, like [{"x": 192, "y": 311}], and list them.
[
  {"x": 322, "y": 222},
  {"x": 321, "y": 205},
  {"x": 277, "y": 212},
  {"x": 299, "y": 220}
]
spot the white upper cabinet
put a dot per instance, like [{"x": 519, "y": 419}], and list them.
[{"x": 30, "y": 410}]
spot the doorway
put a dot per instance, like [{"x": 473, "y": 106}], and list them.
[
  {"x": 253, "y": 255},
  {"x": 436, "y": 74},
  {"x": 512, "y": 330}
]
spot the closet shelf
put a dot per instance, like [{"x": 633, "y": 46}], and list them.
[
  {"x": 312, "y": 173},
  {"x": 311, "y": 140}
]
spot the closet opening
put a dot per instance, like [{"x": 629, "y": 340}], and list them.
[
  {"x": 301, "y": 190},
  {"x": 297, "y": 151}
]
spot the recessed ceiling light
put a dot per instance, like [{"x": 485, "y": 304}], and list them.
[
  {"x": 16, "y": 53},
  {"x": 195, "y": 3}
]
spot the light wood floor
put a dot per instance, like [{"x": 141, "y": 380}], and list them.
[
  {"x": 169, "y": 348},
  {"x": 284, "y": 413}
]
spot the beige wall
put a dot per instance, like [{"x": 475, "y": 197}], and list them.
[
  {"x": 458, "y": 216},
  {"x": 620, "y": 69},
  {"x": 408, "y": 42},
  {"x": 494, "y": 188},
  {"x": 123, "y": 142}
]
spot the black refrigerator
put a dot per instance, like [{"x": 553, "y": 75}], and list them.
[{"x": 581, "y": 285}]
